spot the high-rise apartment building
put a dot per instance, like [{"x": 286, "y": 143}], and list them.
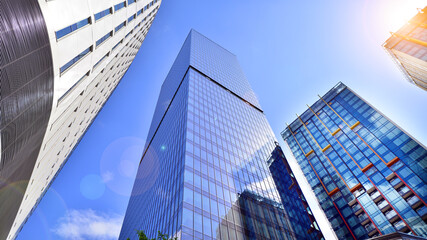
[
  {"x": 368, "y": 174},
  {"x": 408, "y": 49},
  {"x": 59, "y": 63},
  {"x": 204, "y": 171}
]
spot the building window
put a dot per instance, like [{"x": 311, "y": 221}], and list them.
[
  {"x": 104, "y": 13},
  {"x": 100, "y": 60},
  {"x": 102, "y": 39},
  {"x": 72, "y": 88},
  {"x": 119, "y": 6},
  {"x": 131, "y": 18},
  {"x": 130, "y": 2},
  {"x": 140, "y": 12},
  {"x": 75, "y": 59},
  {"x": 129, "y": 33},
  {"x": 115, "y": 46},
  {"x": 67, "y": 30},
  {"x": 120, "y": 26}
]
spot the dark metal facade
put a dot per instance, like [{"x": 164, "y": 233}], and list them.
[{"x": 26, "y": 95}]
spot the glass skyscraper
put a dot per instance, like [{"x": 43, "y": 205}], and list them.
[
  {"x": 204, "y": 171},
  {"x": 367, "y": 173}
]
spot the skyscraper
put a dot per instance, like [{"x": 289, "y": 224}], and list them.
[
  {"x": 408, "y": 49},
  {"x": 367, "y": 173},
  {"x": 204, "y": 172},
  {"x": 59, "y": 63}
]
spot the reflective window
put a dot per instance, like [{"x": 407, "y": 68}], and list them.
[
  {"x": 75, "y": 59},
  {"x": 103, "y": 38},
  {"x": 119, "y": 6},
  {"x": 131, "y": 18},
  {"x": 67, "y": 30},
  {"x": 102, "y": 14},
  {"x": 120, "y": 26}
]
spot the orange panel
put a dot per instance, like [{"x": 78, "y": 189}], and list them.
[
  {"x": 331, "y": 193},
  {"x": 367, "y": 167},
  {"x": 356, "y": 187},
  {"x": 308, "y": 154},
  {"x": 355, "y": 125},
  {"x": 326, "y": 148},
  {"x": 336, "y": 131},
  {"x": 393, "y": 161}
]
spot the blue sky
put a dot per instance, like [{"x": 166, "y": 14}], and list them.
[{"x": 289, "y": 50}]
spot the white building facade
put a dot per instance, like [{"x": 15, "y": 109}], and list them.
[{"x": 92, "y": 44}]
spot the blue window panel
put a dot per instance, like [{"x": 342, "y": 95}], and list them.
[
  {"x": 75, "y": 59},
  {"x": 103, "y": 38},
  {"x": 131, "y": 18},
  {"x": 120, "y": 26},
  {"x": 131, "y": 1},
  {"x": 103, "y": 14},
  {"x": 67, "y": 30},
  {"x": 140, "y": 12},
  {"x": 119, "y": 6}
]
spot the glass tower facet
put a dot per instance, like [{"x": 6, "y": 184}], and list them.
[
  {"x": 408, "y": 48},
  {"x": 204, "y": 172},
  {"x": 367, "y": 173},
  {"x": 292, "y": 197}
]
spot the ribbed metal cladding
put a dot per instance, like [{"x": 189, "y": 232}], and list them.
[{"x": 26, "y": 95}]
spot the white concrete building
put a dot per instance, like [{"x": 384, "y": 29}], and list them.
[{"x": 91, "y": 44}]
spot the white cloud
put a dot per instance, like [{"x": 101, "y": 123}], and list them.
[
  {"x": 107, "y": 176},
  {"x": 88, "y": 224}
]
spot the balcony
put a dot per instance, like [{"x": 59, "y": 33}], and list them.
[
  {"x": 403, "y": 191},
  {"x": 396, "y": 183},
  {"x": 383, "y": 205},
  {"x": 399, "y": 226},
  {"x": 375, "y": 196},
  {"x": 369, "y": 227},
  {"x": 362, "y": 217},
  {"x": 391, "y": 215},
  {"x": 422, "y": 211},
  {"x": 414, "y": 201},
  {"x": 356, "y": 208}
]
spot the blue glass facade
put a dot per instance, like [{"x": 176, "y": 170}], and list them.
[
  {"x": 292, "y": 198},
  {"x": 368, "y": 175},
  {"x": 204, "y": 172}
]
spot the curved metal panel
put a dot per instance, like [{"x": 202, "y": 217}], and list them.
[{"x": 26, "y": 95}]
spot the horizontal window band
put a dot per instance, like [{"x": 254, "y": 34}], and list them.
[
  {"x": 367, "y": 167},
  {"x": 392, "y": 162},
  {"x": 355, "y": 125},
  {"x": 308, "y": 154},
  {"x": 336, "y": 131},
  {"x": 358, "y": 186},
  {"x": 331, "y": 193},
  {"x": 326, "y": 148}
]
